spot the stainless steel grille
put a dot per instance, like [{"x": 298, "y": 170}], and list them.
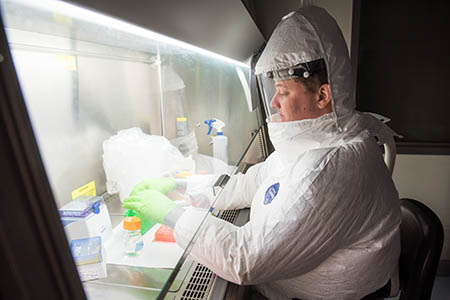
[
  {"x": 198, "y": 284},
  {"x": 228, "y": 215}
]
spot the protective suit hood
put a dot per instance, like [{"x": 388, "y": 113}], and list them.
[{"x": 308, "y": 34}]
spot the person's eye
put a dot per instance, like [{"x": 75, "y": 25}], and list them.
[{"x": 282, "y": 92}]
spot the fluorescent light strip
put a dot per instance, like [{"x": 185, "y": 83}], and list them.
[{"x": 76, "y": 12}]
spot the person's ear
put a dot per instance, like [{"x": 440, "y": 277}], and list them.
[{"x": 324, "y": 96}]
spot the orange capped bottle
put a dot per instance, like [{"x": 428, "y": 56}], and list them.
[{"x": 132, "y": 235}]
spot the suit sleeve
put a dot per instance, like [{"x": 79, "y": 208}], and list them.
[{"x": 238, "y": 192}]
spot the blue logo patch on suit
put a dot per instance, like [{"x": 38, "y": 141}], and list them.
[{"x": 271, "y": 193}]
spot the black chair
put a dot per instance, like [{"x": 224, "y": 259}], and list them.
[{"x": 422, "y": 237}]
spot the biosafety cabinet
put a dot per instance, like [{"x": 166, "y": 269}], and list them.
[{"x": 90, "y": 102}]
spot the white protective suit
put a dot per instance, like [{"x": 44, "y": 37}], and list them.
[{"x": 325, "y": 215}]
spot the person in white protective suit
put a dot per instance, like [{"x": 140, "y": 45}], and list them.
[{"x": 325, "y": 214}]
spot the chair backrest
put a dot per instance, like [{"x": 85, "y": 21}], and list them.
[
  {"x": 390, "y": 151},
  {"x": 422, "y": 237}
]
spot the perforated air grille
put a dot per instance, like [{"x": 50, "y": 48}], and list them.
[
  {"x": 261, "y": 144},
  {"x": 198, "y": 284},
  {"x": 229, "y": 215}
]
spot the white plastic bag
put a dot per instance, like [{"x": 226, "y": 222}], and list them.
[
  {"x": 131, "y": 156},
  {"x": 205, "y": 164}
]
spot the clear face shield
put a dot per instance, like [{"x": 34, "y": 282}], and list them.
[
  {"x": 267, "y": 90},
  {"x": 266, "y": 83}
]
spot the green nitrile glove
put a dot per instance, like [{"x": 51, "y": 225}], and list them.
[
  {"x": 160, "y": 184},
  {"x": 150, "y": 204}
]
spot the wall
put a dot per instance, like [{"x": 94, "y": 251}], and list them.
[
  {"x": 74, "y": 108},
  {"x": 342, "y": 11},
  {"x": 267, "y": 13},
  {"x": 427, "y": 178},
  {"x": 422, "y": 177}
]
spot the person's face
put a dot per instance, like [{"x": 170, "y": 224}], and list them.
[{"x": 294, "y": 102}]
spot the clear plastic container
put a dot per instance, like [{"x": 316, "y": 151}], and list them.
[{"x": 132, "y": 236}]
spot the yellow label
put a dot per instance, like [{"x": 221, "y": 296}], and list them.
[
  {"x": 85, "y": 190},
  {"x": 181, "y": 119},
  {"x": 183, "y": 174},
  {"x": 68, "y": 61},
  {"x": 62, "y": 19}
]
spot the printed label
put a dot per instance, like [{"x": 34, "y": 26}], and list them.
[{"x": 85, "y": 190}]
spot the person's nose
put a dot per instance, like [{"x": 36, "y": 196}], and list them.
[{"x": 274, "y": 103}]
